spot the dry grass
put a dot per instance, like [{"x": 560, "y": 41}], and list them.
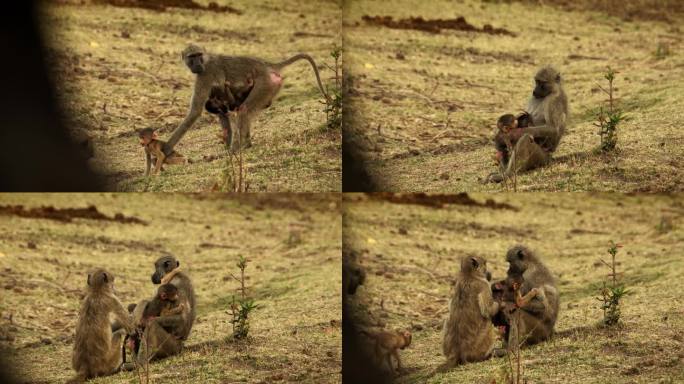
[
  {"x": 112, "y": 84},
  {"x": 409, "y": 277},
  {"x": 428, "y": 118},
  {"x": 295, "y": 334}
]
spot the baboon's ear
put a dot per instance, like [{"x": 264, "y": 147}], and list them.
[
  {"x": 177, "y": 263},
  {"x": 89, "y": 279},
  {"x": 104, "y": 277},
  {"x": 474, "y": 262},
  {"x": 558, "y": 78}
]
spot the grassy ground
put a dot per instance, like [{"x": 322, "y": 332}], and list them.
[
  {"x": 119, "y": 69},
  {"x": 428, "y": 103},
  {"x": 294, "y": 274},
  {"x": 411, "y": 255}
]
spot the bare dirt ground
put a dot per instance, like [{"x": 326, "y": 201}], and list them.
[
  {"x": 411, "y": 254},
  {"x": 426, "y": 99},
  {"x": 119, "y": 69},
  {"x": 293, "y": 244}
]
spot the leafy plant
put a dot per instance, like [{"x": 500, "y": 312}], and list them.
[
  {"x": 611, "y": 293},
  {"x": 242, "y": 306},
  {"x": 607, "y": 121}
]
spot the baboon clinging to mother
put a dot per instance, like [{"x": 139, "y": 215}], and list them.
[
  {"x": 214, "y": 70},
  {"x": 548, "y": 112}
]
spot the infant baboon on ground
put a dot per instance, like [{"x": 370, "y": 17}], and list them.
[
  {"x": 469, "y": 334},
  {"x": 388, "y": 344},
  {"x": 153, "y": 149},
  {"x": 538, "y": 304},
  {"x": 97, "y": 351}
]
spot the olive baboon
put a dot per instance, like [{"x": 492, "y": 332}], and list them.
[
  {"x": 468, "y": 331},
  {"x": 388, "y": 344},
  {"x": 548, "y": 113},
  {"x": 217, "y": 69},
  {"x": 164, "y": 335},
  {"x": 539, "y": 303},
  {"x": 153, "y": 149},
  {"x": 97, "y": 350}
]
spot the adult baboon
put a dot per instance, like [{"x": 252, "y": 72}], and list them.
[
  {"x": 538, "y": 306},
  {"x": 164, "y": 336},
  {"x": 97, "y": 350},
  {"x": 217, "y": 69},
  {"x": 548, "y": 113},
  {"x": 468, "y": 331}
]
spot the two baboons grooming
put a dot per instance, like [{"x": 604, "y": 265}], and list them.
[
  {"x": 156, "y": 328},
  {"x": 525, "y": 304}
]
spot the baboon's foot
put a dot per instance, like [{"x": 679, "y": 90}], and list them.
[{"x": 128, "y": 366}]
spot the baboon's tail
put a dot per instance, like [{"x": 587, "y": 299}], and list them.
[{"x": 304, "y": 56}]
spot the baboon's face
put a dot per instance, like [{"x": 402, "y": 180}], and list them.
[
  {"x": 195, "y": 62},
  {"x": 407, "y": 339},
  {"x": 541, "y": 89},
  {"x": 215, "y": 106},
  {"x": 162, "y": 266},
  {"x": 517, "y": 260},
  {"x": 168, "y": 292}
]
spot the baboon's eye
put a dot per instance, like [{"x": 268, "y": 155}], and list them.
[
  {"x": 521, "y": 254},
  {"x": 166, "y": 264}
]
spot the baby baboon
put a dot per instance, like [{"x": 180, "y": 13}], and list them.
[
  {"x": 97, "y": 351},
  {"x": 153, "y": 149},
  {"x": 505, "y": 139},
  {"x": 213, "y": 69},
  {"x": 228, "y": 98},
  {"x": 539, "y": 302},
  {"x": 388, "y": 344},
  {"x": 164, "y": 304},
  {"x": 468, "y": 331}
]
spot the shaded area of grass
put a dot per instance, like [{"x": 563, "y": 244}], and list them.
[
  {"x": 427, "y": 103},
  {"x": 411, "y": 256},
  {"x": 295, "y": 334},
  {"x": 118, "y": 70}
]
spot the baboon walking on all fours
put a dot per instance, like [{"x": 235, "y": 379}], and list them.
[
  {"x": 469, "y": 334},
  {"x": 548, "y": 112},
  {"x": 97, "y": 350},
  {"x": 164, "y": 336},
  {"x": 539, "y": 309},
  {"x": 214, "y": 70}
]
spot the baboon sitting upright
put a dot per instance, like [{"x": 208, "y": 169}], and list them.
[
  {"x": 538, "y": 307},
  {"x": 468, "y": 331},
  {"x": 548, "y": 113},
  {"x": 164, "y": 336},
  {"x": 97, "y": 350}
]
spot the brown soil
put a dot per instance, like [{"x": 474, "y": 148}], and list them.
[
  {"x": 66, "y": 214},
  {"x": 161, "y": 5},
  {"x": 434, "y": 25},
  {"x": 438, "y": 200}
]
